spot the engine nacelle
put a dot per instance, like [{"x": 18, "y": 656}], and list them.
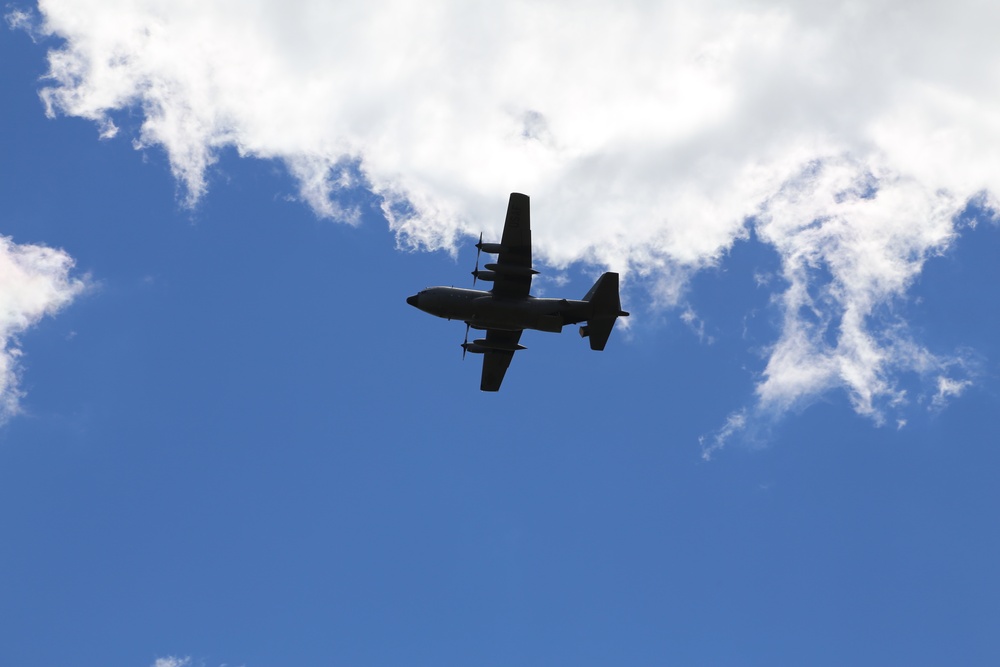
[
  {"x": 491, "y": 248},
  {"x": 500, "y": 347},
  {"x": 512, "y": 270},
  {"x": 473, "y": 348},
  {"x": 488, "y": 276}
]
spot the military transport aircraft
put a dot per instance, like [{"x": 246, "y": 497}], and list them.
[{"x": 508, "y": 309}]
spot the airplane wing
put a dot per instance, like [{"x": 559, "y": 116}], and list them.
[
  {"x": 513, "y": 266},
  {"x": 496, "y": 361}
]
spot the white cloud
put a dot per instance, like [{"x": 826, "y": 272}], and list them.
[
  {"x": 171, "y": 661},
  {"x": 696, "y": 325},
  {"x": 35, "y": 282},
  {"x": 849, "y": 252},
  {"x": 19, "y": 19},
  {"x": 735, "y": 423},
  {"x": 650, "y": 135},
  {"x": 948, "y": 388}
]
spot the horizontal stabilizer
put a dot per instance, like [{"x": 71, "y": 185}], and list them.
[
  {"x": 599, "y": 330},
  {"x": 606, "y": 307}
]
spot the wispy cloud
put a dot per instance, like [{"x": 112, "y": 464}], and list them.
[
  {"x": 947, "y": 389},
  {"x": 20, "y": 19},
  {"x": 172, "y": 661},
  {"x": 35, "y": 281},
  {"x": 651, "y": 135},
  {"x": 735, "y": 423},
  {"x": 851, "y": 241}
]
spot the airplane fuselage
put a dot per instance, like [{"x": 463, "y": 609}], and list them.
[{"x": 485, "y": 310}]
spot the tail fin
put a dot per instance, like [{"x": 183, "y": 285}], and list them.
[{"x": 606, "y": 307}]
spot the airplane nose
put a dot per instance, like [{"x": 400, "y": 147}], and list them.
[{"x": 412, "y": 300}]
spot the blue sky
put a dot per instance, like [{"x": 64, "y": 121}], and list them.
[{"x": 238, "y": 445}]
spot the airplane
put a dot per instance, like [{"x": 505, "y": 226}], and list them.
[{"x": 508, "y": 309}]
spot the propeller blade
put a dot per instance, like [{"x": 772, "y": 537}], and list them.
[
  {"x": 465, "y": 345},
  {"x": 475, "y": 273}
]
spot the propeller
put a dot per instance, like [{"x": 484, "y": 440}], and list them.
[
  {"x": 475, "y": 273},
  {"x": 465, "y": 345}
]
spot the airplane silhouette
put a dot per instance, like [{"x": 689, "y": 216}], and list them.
[{"x": 508, "y": 309}]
